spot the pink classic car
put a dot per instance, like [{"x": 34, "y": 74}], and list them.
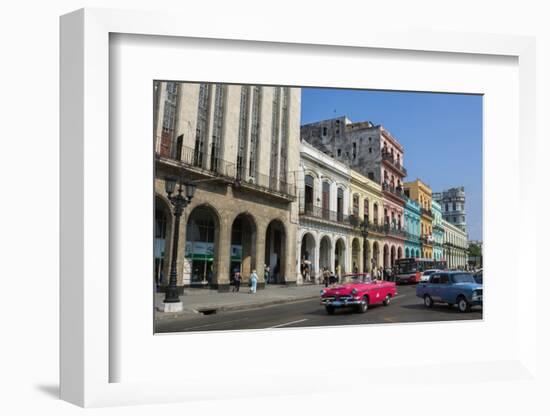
[{"x": 360, "y": 293}]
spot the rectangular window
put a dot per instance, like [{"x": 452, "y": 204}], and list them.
[
  {"x": 169, "y": 120},
  {"x": 243, "y": 128},
  {"x": 371, "y": 175},
  {"x": 255, "y": 130},
  {"x": 284, "y": 136},
  {"x": 274, "y": 138},
  {"x": 217, "y": 129},
  {"x": 202, "y": 123},
  {"x": 339, "y": 152}
]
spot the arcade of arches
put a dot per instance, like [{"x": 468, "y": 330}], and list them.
[
  {"x": 215, "y": 242},
  {"x": 343, "y": 255}
]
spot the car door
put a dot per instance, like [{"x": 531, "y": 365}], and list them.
[
  {"x": 445, "y": 289},
  {"x": 434, "y": 286}
]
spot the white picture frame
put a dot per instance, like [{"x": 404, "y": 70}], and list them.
[{"x": 86, "y": 309}]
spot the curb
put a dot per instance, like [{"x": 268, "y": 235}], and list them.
[{"x": 226, "y": 308}]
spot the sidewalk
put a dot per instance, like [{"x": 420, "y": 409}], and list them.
[{"x": 206, "y": 301}]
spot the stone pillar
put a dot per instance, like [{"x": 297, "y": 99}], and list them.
[
  {"x": 289, "y": 253},
  {"x": 316, "y": 259},
  {"x": 260, "y": 254},
  {"x": 331, "y": 254},
  {"x": 223, "y": 253}
]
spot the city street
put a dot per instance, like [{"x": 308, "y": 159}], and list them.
[{"x": 406, "y": 307}]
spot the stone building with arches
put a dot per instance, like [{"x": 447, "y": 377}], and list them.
[
  {"x": 237, "y": 144},
  {"x": 324, "y": 220}
]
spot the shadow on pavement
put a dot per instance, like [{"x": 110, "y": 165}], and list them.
[{"x": 441, "y": 308}]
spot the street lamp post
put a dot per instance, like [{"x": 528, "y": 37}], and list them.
[{"x": 179, "y": 201}]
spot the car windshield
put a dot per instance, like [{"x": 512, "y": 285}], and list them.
[
  {"x": 429, "y": 272},
  {"x": 462, "y": 278},
  {"x": 357, "y": 278}
]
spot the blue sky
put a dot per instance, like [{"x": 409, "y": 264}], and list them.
[{"x": 441, "y": 134}]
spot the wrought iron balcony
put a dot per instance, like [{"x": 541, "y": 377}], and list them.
[
  {"x": 397, "y": 191},
  {"x": 311, "y": 210},
  {"x": 427, "y": 212},
  {"x": 388, "y": 157},
  {"x": 426, "y": 239},
  {"x": 210, "y": 164}
]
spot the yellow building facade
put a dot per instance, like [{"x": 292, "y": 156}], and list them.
[
  {"x": 420, "y": 192},
  {"x": 366, "y": 205}
]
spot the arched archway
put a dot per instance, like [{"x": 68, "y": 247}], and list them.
[
  {"x": 340, "y": 258},
  {"x": 355, "y": 255},
  {"x": 201, "y": 246},
  {"x": 407, "y": 252},
  {"x": 243, "y": 245},
  {"x": 275, "y": 253},
  {"x": 325, "y": 249},
  {"x": 163, "y": 233},
  {"x": 307, "y": 258},
  {"x": 392, "y": 256},
  {"x": 417, "y": 253},
  {"x": 399, "y": 252}
]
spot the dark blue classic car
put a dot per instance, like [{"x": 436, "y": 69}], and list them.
[{"x": 453, "y": 288}]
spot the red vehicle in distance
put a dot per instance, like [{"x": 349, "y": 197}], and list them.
[{"x": 360, "y": 293}]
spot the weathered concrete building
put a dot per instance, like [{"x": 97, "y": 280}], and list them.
[
  {"x": 239, "y": 144},
  {"x": 367, "y": 148}
]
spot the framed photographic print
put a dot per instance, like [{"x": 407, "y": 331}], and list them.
[{"x": 280, "y": 212}]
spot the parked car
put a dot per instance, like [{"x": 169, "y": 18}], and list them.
[
  {"x": 360, "y": 293},
  {"x": 478, "y": 276},
  {"x": 453, "y": 288},
  {"x": 427, "y": 273}
]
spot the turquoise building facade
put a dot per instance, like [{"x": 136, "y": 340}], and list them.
[
  {"x": 438, "y": 232},
  {"x": 413, "y": 248}
]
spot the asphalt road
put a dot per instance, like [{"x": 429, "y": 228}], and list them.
[{"x": 405, "y": 307}]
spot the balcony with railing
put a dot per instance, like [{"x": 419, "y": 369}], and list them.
[
  {"x": 210, "y": 165},
  {"x": 388, "y": 157},
  {"x": 394, "y": 190},
  {"x": 427, "y": 212},
  {"x": 314, "y": 211},
  {"x": 427, "y": 239}
]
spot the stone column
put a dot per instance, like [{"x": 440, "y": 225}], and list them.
[
  {"x": 331, "y": 253},
  {"x": 316, "y": 258},
  {"x": 289, "y": 254},
  {"x": 260, "y": 254},
  {"x": 223, "y": 253}
]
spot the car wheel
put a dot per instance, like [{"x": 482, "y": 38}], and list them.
[
  {"x": 463, "y": 305},
  {"x": 330, "y": 310},
  {"x": 363, "y": 306},
  {"x": 387, "y": 300},
  {"x": 428, "y": 301}
]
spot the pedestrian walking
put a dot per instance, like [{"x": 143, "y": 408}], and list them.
[
  {"x": 266, "y": 273},
  {"x": 253, "y": 281},
  {"x": 326, "y": 276},
  {"x": 236, "y": 281}
]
